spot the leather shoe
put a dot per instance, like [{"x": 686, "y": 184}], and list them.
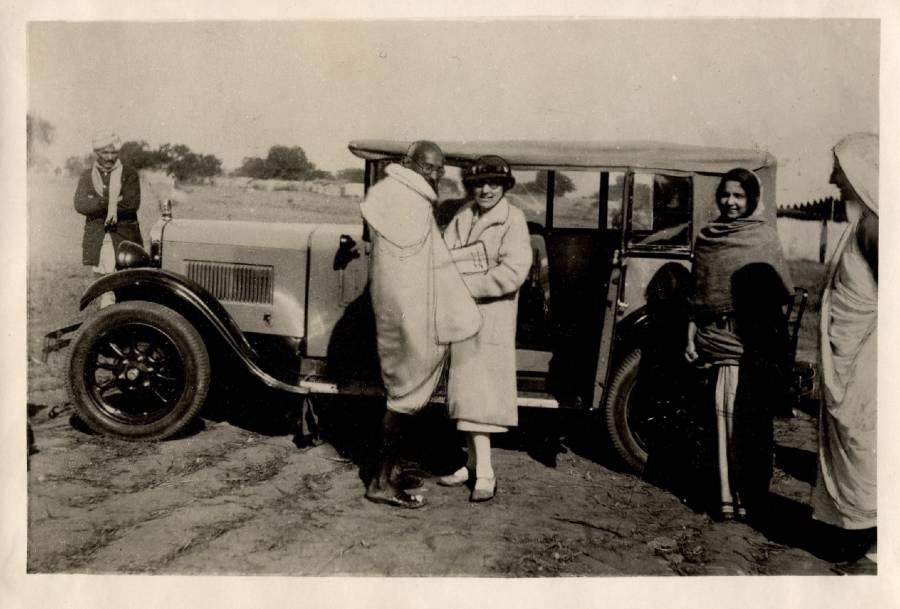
[{"x": 485, "y": 489}]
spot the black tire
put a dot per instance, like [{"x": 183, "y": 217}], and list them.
[
  {"x": 138, "y": 371},
  {"x": 625, "y": 412}
]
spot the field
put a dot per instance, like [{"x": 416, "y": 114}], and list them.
[{"x": 236, "y": 495}]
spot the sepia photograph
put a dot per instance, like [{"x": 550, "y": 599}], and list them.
[{"x": 486, "y": 298}]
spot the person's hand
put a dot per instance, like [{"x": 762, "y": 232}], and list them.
[
  {"x": 111, "y": 219},
  {"x": 690, "y": 352}
]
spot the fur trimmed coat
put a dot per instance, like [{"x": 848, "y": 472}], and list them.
[{"x": 482, "y": 386}]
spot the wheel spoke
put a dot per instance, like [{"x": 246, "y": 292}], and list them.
[
  {"x": 116, "y": 349},
  {"x": 161, "y": 397},
  {"x": 110, "y": 384},
  {"x": 166, "y": 378}
]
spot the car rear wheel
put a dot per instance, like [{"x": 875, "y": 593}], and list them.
[
  {"x": 630, "y": 412},
  {"x": 138, "y": 371}
]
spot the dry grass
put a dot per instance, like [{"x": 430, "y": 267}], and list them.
[{"x": 809, "y": 275}]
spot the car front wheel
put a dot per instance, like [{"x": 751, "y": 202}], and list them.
[{"x": 138, "y": 371}]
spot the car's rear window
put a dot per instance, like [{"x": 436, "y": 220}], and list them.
[{"x": 660, "y": 211}]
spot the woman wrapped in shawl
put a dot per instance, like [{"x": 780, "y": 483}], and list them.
[
  {"x": 844, "y": 495},
  {"x": 741, "y": 284}
]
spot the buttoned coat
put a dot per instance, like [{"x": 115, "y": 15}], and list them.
[{"x": 482, "y": 385}]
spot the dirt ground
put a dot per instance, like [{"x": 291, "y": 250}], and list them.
[
  {"x": 236, "y": 495},
  {"x": 227, "y": 498}
]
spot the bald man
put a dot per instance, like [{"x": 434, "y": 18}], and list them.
[{"x": 420, "y": 302}]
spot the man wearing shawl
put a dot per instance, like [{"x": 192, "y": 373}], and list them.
[
  {"x": 108, "y": 196},
  {"x": 420, "y": 302},
  {"x": 845, "y": 491}
]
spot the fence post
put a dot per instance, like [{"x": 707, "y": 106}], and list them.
[{"x": 823, "y": 239}]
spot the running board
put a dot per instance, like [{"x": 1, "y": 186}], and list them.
[{"x": 326, "y": 387}]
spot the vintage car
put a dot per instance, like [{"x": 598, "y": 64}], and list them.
[{"x": 602, "y": 315}]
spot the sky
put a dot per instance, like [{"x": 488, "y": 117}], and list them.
[{"x": 233, "y": 89}]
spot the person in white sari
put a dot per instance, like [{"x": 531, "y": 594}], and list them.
[{"x": 845, "y": 492}]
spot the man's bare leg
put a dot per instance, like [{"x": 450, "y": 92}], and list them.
[{"x": 382, "y": 488}]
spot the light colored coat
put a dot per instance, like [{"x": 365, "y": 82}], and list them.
[
  {"x": 420, "y": 302},
  {"x": 482, "y": 386}
]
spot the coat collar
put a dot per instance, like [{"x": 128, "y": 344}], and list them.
[{"x": 470, "y": 229}]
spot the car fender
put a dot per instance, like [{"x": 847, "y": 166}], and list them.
[
  {"x": 631, "y": 332},
  {"x": 183, "y": 294}
]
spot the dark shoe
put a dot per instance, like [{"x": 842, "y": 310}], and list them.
[
  {"x": 407, "y": 481},
  {"x": 457, "y": 478},
  {"x": 397, "y": 498},
  {"x": 485, "y": 489}
]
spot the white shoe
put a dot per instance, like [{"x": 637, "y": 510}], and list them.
[
  {"x": 485, "y": 489},
  {"x": 457, "y": 478}
]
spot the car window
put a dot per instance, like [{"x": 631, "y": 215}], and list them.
[
  {"x": 451, "y": 185},
  {"x": 576, "y": 199},
  {"x": 529, "y": 195},
  {"x": 660, "y": 210}
]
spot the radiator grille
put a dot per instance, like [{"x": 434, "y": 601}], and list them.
[{"x": 246, "y": 283}]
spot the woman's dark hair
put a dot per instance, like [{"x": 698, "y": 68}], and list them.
[{"x": 748, "y": 181}]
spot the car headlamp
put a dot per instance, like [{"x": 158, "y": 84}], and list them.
[{"x": 130, "y": 255}]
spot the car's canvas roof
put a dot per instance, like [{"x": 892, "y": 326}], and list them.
[{"x": 532, "y": 153}]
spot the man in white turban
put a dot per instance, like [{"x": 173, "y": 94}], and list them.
[
  {"x": 845, "y": 491},
  {"x": 108, "y": 196}
]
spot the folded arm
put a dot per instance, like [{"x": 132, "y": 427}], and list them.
[{"x": 514, "y": 263}]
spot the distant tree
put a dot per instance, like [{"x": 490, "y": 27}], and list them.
[
  {"x": 282, "y": 163},
  {"x": 170, "y": 153},
  {"x": 140, "y": 156},
  {"x": 76, "y": 165},
  {"x": 352, "y": 174},
  {"x": 289, "y": 163},
  {"x": 252, "y": 167},
  {"x": 563, "y": 185},
  {"x": 187, "y": 166},
  {"x": 37, "y": 131}
]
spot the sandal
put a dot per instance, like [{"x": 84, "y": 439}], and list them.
[
  {"x": 485, "y": 489},
  {"x": 457, "y": 478},
  {"x": 407, "y": 481},
  {"x": 400, "y": 499}
]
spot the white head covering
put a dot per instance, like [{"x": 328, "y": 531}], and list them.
[
  {"x": 858, "y": 156},
  {"x": 104, "y": 138}
]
